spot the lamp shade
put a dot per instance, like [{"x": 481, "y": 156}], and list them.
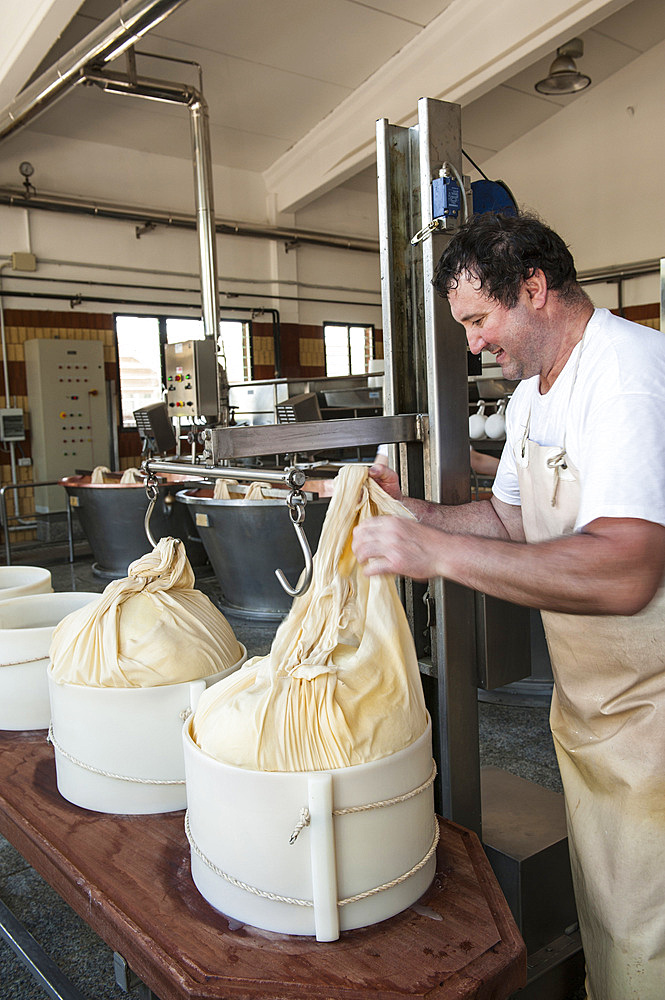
[{"x": 564, "y": 78}]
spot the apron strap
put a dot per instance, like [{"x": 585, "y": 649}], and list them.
[
  {"x": 525, "y": 436},
  {"x": 557, "y": 462}
]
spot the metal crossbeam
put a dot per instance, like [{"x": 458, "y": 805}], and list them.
[{"x": 311, "y": 436}]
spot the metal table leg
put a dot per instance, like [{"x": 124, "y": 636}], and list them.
[{"x": 42, "y": 968}]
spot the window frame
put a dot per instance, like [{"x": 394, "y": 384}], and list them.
[
  {"x": 250, "y": 345},
  {"x": 162, "y": 319},
  {"x": 363, "y": 326}
]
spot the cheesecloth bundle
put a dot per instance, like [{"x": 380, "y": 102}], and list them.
[
  {"x": 255, "y": 492},
  {"x": 222, "y": 491},
  {"x": 132, "y": 476},
  {"x": 101, "y": 475},
  {"x": 149, "y": 629},
  {"x": 341, "y": 684}
]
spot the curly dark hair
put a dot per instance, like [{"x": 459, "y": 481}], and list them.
[{"x": 502, "y": 251}]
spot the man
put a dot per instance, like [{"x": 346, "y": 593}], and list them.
[{"x": 575, "y": 527}]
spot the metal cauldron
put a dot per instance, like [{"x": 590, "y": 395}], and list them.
[
  {"x": 247, "y": 540},
  {"x": 112, "y": 518}
]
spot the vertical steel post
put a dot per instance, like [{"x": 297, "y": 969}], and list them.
[
  {"x": 205, "y": 214},
  {"x": 402, "y": 305},
  {"x": 4, "y": 518},
  {"x": 421, "y": 339},
  {"x": 70, "y": 528},
  {"x": 453, "y": 650}
]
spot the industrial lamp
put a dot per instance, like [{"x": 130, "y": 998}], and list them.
[{"x": 564, "y": 77}]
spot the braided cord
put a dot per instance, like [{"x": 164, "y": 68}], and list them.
[
  {"x": 390, "y": 802},
  {"x": 107, "y": 774},
  {"x": 304, "y": 821},
  {"x": 20, "y": 663},
  {"x": 308, "y": 902}
]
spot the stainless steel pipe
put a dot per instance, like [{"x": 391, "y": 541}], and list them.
[
  {"x": 289, "y": 477},
  {"x": 125, "y": 26},
  {"x": 193, "y": 100},
  {"x": 205, "y": 214}
]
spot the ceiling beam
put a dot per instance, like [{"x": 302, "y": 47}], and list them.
[{"x": 470, "y": 48}]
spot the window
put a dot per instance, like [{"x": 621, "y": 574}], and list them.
[
  {"x": 349, "y": 349},
  {"x": 140, "y": 344},
  {"x": 235, "y": 349},
  {"x": 178, "y": 329},
  {"x": 139, "y": 364}
]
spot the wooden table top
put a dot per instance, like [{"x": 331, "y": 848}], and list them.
[{"x": 128, "y": 877}]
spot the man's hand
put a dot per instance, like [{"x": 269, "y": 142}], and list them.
[
  {"x": 394, "y": 545},
  {"x": 387, "y": 479}
]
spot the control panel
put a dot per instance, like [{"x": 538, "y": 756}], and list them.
[
  {"x": 191, "y": 379},
  {"x": 68, "y": 419},
  {"x": 12, "y": 425}
]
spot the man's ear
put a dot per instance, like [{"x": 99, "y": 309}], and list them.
[{"x": 536, "y": 288}]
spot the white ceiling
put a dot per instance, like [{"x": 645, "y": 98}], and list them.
[
  {"x": 514, "y": 107},
  {"x": 275, "y": 70}
]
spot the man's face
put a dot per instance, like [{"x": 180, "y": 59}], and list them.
[{"x": 511, "y": 335}]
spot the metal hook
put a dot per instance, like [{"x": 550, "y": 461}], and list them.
[
  {"x": 152, "y": 492},
  {"x": 422, "y": 234},
  {"x": 296, "y": 505}
]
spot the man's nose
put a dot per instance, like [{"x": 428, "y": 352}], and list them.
[{"x": 476, "y": 342}]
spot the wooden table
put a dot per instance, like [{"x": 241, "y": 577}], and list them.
[{"x": 128, "y": 877}]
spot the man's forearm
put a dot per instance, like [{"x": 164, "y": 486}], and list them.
[
  {"x": 613, "y": 567},
  {"x": 489, "y": 518},
  {"x": 479, "y": 517}
]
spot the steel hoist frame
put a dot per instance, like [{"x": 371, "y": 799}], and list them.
[{"x": 420, "y": 336}]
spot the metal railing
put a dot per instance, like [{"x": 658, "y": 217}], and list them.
[{"x": 6, "y": 518}]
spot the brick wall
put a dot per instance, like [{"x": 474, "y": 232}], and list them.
[
  {"x": 302, "y": 350},
  {"x": 646, "y": 315},
  {"x": 26, "y": 324}
]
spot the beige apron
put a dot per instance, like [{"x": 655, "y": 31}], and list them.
[{"x": 608, "y": 724}]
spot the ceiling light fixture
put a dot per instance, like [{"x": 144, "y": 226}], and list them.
[{"x": 564, "y": 77}]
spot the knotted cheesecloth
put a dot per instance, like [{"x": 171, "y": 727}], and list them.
[
  {"x": 101, "y": 475},
  {"x": 132, "y": 475},
  {"x": 255, "y": 492},
  {"x": 341, "y": 684},
  {"x": 222, "y": 489},
  {"x": 148, "y": 629}
]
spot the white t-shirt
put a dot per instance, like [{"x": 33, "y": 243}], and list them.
[{"x": 612, "y": 425}]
